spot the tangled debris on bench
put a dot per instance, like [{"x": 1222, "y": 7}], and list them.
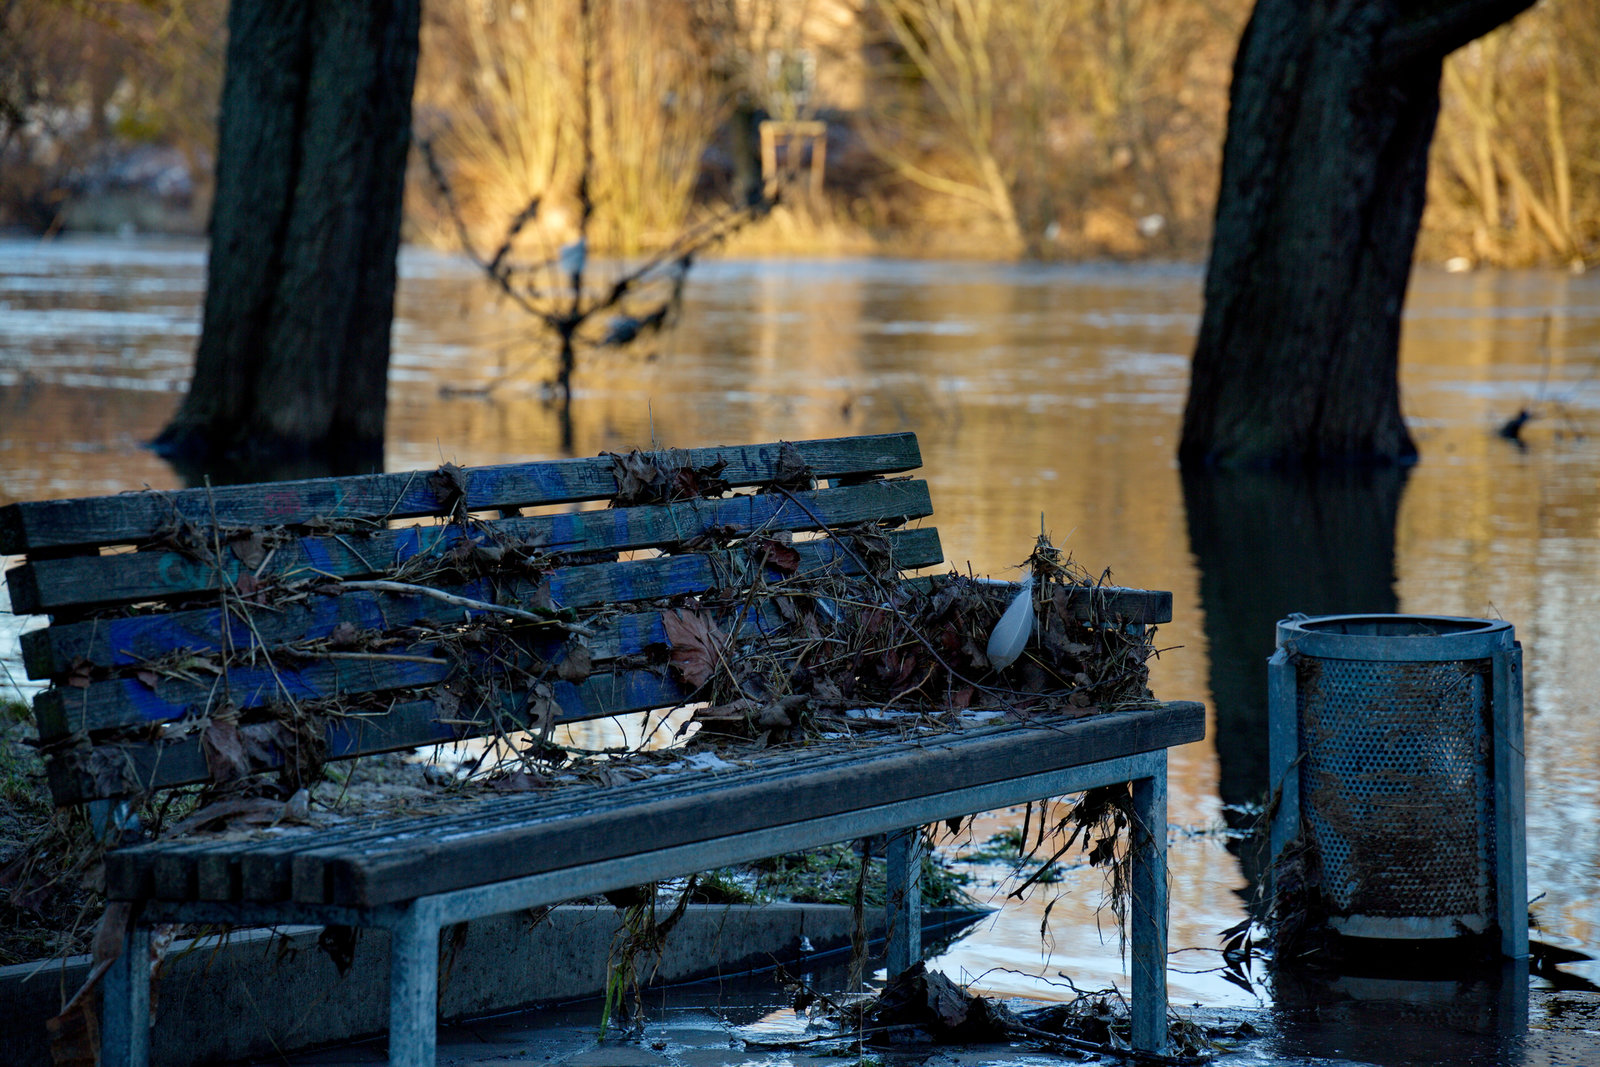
[{"x": 804, "y": 641}]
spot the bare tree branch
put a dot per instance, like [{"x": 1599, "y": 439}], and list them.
[{"x": 1442, "y": 27}]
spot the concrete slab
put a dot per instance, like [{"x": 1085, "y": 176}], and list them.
[{"x": 264, "y": 993}]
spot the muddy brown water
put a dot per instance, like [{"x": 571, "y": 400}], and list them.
[{"x": 1034, "y": 389}]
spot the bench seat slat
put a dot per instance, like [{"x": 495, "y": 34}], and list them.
[
  {"x": 273, "y": 854},
  {"x": 51, "y": 585},
  {"x": 129, "y": 518},
  {"x": 467, "y": 858},
  {"x": 532, "y": 834}
]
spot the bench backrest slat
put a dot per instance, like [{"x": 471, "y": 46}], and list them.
[
  {"x": 132, "y": 518},
  {"x": 172, "y": 629},
  {"x": 186, "y": 653},
  {"x": 54, "y": 585},
  {"x": 131, "y": 701}
]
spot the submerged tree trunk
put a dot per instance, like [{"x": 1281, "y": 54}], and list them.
[
  {"x": 1331, "y": 113},
  {"x": 315, "y": 127}
]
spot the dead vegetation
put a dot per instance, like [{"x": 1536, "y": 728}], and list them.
[{"x": 922, "y": 1008}]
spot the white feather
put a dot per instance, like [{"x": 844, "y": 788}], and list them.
[{"x": 1011, "y": 633}]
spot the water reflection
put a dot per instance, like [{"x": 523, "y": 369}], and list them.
[
  {"x": 1267, "y": 544},
  {"x": 1033, "y": 389},
  {"x": 1390, "y": 1020}
]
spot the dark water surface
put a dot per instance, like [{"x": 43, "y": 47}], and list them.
[{"x": 1033, "y": 389}]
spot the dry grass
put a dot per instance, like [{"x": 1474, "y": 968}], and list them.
[{"x": 510, "y": 92}]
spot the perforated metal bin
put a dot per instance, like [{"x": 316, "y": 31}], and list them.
[{"x": 1397, "y": 743}]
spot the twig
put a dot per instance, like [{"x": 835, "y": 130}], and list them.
[
  {"x": 390, "y": 656},
  {"x": 1081, "y": 1045},
  {"x": 542, "y": 616}
]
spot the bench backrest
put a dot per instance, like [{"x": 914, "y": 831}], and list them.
[{"x": 208, "y": 633}]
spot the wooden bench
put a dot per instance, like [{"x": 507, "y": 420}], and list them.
[{"x": 205, "y": 635}]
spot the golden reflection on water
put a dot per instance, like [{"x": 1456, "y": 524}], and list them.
[{"x": 1035, "y": 391}]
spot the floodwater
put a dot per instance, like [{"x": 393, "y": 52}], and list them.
[{"x": 1051, "y": 391}]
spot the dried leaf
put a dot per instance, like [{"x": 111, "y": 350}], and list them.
[
  {"x": 793, "y": 473},
  {"x": 251, "y": 549},
  {"x": 783, "y": 713},
  {"x": 576, "y": 664},
  {"x": 774, "y": 716},
  {"x": 75, "y": 1034},
  {"x": 636, "y": 474},
  {"x": 224, "y": 751},
  {"x": 339, "y": 942},
  {"x": 772, "y": 553},
  {"x": 688, "y": 482},
  {"x": 146, "y": 678},
  {"x": 541, "y": 600},
  {"x": 542, "y": 710},
  {"x": 344, "y": 635},
  {"x": 254, "y": 811},
  {"x": 696, "y": 645},
  {"x": 1104, "y": 852},
  {"x": 108, "y": 935},
  {"x": 233, "y": 751},
  {"x": 446, "y": 703},
  {"x": 449, "y": 487},
  {"x": 733, "y": 711}
]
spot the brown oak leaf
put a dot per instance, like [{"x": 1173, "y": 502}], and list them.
[
  {"x": 576, "y": 664},
  {"x": 696, "y": 645}
]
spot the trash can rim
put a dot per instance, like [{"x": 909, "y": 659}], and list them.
[{"x": 1436, "y": 637}]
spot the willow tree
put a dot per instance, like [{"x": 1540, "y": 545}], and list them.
[
  {"x": 1330, "y": 117},
  {"x": 294, "y": 348}
]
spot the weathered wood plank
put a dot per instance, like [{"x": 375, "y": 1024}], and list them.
[
  {"x": 407, "y": 724},
  {"x": 51, "y": 585},
  {"x": 130, "y": 642},
  {"x": 130, "y": 518},
  {"x": 508, "y": 838},
  {"x": 130, "y": 701},
  {"x": 466, "y": 858},
  {"x": 579, "y": 823}
]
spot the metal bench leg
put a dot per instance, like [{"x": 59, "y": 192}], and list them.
[
  {"x": 903, "y": 900},
  {"x": 413, "y": 987},
  {"x": 1150, "y": 911},
  {"x": 125, "y": 1007}
]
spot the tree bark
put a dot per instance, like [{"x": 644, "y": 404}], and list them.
[
  {"x": 1331, "y": 113},
  {"x": 315, "y": 128}
]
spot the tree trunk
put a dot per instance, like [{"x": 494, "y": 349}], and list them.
[
  {"x": 315, "y": 128},
  {"x": 1331, "y": 113}
]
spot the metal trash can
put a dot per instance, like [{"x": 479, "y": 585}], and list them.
[{"x": 1396, "y": 741}]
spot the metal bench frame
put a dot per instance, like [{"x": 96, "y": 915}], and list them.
[{"x": 414, "y": 927}]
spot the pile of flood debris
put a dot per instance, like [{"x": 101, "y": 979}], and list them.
[{"x": 924, "y": 1008}]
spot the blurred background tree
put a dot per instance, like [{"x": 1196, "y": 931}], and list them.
[
  {"x": 291, "y": 374},
  {"x": 501, "y": 94},
  {"x": 1331, "y": 119},
  {"x": 1516, "y": 170},
  {"x": 102, "y": 101},
  {"x": 1100, "y": 135}
]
